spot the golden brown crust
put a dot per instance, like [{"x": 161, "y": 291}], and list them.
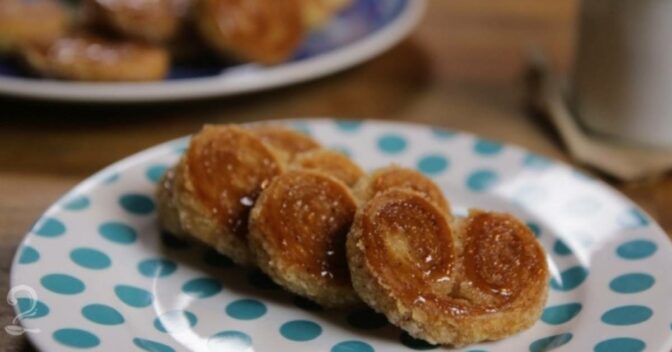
[
  {"x": 392, "y": 177},
  {"x": 90, "y": 58},
  {"x": 222, "y": 174},
  {"x": 331, "y": 163},
  {"x": 297, "y": 235},
  {"x": 29, "y": 22},
  {"x": 288, "y": 143},
  {"x": 267, "y": 32},
  {"x": 478, "y": 279}
]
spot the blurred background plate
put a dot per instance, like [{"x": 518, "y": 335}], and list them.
[{"x": 358, "y": 33}]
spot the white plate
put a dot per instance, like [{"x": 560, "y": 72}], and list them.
[
  {"x": 357, "y": 34},
  {"x": 94, "y": 272}
]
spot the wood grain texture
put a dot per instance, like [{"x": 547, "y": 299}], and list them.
[{"x": 463, "y": 68}]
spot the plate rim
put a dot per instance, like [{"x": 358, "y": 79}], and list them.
[
  {"x": 218, "y": 86},
  {"x": 42, "y": 344}
]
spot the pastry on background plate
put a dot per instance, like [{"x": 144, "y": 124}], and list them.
[
  {"x": 263, "y": 31},
  {"x": 476, "y": 279},
  {"x": 216, "y": 184},
  {"x": 86, "y": 57},
  {"x": 154, "y": 21},
  {"x": 26, "y": 22},
  {"x": 297, "y": 234}
]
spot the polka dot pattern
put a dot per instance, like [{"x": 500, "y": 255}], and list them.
[
  {"x": 175, "y": 321},
  {"x": 348, "y": 125},
  {"x": 627, "y": 315},
  {"x": 570, "y": 279},
  {"x": 230, "y": 340},
  {"x": 246, "y": 309},
  {"x": 62, "y": 284},
  {"x": 31, "y": 308},
  {"x": 137, "y": 204},
  {"x": 621, "y": 344},
  {"x": 441, "y": 133},
  {"x": 352, "y": 346},
  {"x": 151, "y": 346},
  {"x": 550, "y": 343},
  {"x": 632, "y": 283},
  {"x": 482, "y": 180},
  {"x": 156, "y": 267},
  {"x": 90, "y": 258},
  {"x": 637, "y": 249},
  {"x": 49, "y": 227},
  {"x": 133, "y": 296},
  {"x": 202, "y": 287},
  {"x": 77, "y": 203},
  {"x": 433, "y": 164},
  {"x": 487, "y": 148},
  {"x": 28, "y": 255},
  {"x": 102, "y": 314},
  {"x": 76, "y": 338},
  {"x": 392, "y": 144},
  {"x": 118, "y": 232},
  {"x": 560, "y": 314},
  {"x": 300, "y": 330},
  {"x": 155, "y": 172}
]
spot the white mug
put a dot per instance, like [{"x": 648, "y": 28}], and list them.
[{"x": 622, "y": 79}]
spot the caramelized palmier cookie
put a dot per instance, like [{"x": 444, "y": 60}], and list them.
[
  {"x": 297, "y": 234},
  {"x": 90, "y": 58},
  {"x": 331, "y": 163},
  {"x": 263, "y": 31},
  {"x": 481, "y": 278},
  {"x": 36, "y": 21},
  {"x": 391, "y": 177},
  {"x": 222, "y": 174},
  {"x": 154, "y": 21},
  {"x": 286, "y": 142}
]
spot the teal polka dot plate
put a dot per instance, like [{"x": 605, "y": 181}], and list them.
[{"x": 96, "y": 273}]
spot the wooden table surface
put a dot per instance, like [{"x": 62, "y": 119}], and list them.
[{"x": 463, "y": 68}]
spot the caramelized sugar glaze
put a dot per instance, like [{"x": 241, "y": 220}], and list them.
[
  {"x": 289, "y": 143},
  {"x": 391, "y": 177},
  {"x": 480, "y": 278},
  {"x": 229, "y": 168},
  {"x": 297, "y": 232},
  {"x": 331, "y": 163}
]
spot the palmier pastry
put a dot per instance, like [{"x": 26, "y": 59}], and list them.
[
  {"x": 263, "y": 31},
  {"x": 286, "y": 142},
  {"x": 37, "y": 21},
  {"x": 481, "y": 278},
  {"x": 331, "y": 163},
  {"x": 219, "y": 179},
  {"x": 90, "y": 58},
  {"x": 316, "y": 13},
  {"x": 154, "y": 21},
  {"x": 391, "y": 177},
  {"x": 297, "y": 234}
]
